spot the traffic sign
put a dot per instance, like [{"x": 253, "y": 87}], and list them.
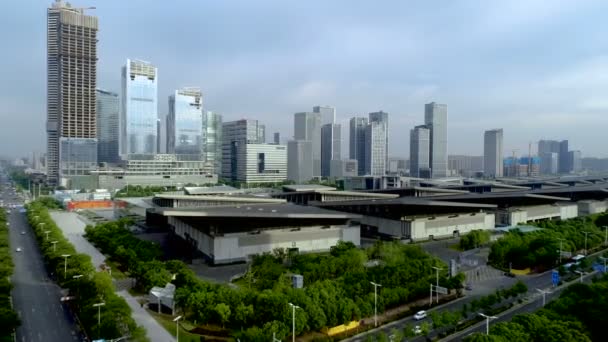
[
  {"x": 555, "y": 278},
  {"x": 442, "y": 290}
]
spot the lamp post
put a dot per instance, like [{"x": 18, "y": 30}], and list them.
[
  {"x": 46, "y": 232},
  {"x": 586, "y": 234},
  {"x": 544, "y": 292},
  {"x": 54, "y": 245},
  {"x": 176, "y": 320},
  {"x": 561, "y": 248},
  {"x": 99, "y": 305},
  {"x": 65, "y": 265},
  {"x": 437, "y": 269},
  {"x": 375, "y": 302},
  {"x": 78, "y": 276},
  {"x": 581, "y": 273},
  {"x": 487, "y": 322},
  {"x": 293, "y": 321}
]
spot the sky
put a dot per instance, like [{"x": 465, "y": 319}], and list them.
[{"x": 536, "y": 68}]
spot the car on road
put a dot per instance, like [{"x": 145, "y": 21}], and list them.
[
  {"x": 420, "y": 315},
  {"x": 417, "y": 330},
  {"x": 468, "y": 287},
  {"x": 18, "y": 249},
  {"x": 22, "y": 232}
]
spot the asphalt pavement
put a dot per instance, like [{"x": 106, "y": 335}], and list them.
[{"x": 36, "y": 299}]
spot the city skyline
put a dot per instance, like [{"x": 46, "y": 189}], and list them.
[{"x": 383, "y": 80}]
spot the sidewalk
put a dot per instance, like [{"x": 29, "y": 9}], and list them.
[
  {"x": 156, "y": 333},
  {"x": 73, "y": 229}
]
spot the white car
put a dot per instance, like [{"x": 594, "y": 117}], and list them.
[
  {"x": 18, "y": 249},
  {"x": 420, "y": 315},
  {"x": 22, "y": 232},
  {"x": 417, "y": 330}
]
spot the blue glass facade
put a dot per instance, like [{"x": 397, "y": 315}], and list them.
[
  {"x": 139, "y": 108},
  {"x": 185, "y": 122}
]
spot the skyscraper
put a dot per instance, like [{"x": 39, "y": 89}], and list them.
[
  {"x": 71, "y": 81},
  {"x": 574, "y": 161},
  {"x": 299, "y": 161},
  {"x": 139, "y": 114},
  {"x": 185, "y": 122},
  {"x": 548, "y": 163},
  {"x": 328, "y": 114},
  {"x": 277, "y": 138},
  {"x": 554, "y": 146},
  {"x": 375, "y": 149},
  {"x": 307, "y": 127},
  {"x": 565, "y": 165},
  {"x": 436, "y": 119},
  {"x": 331, "y": 146},
  {"x": 107, "y": 126},
  {"x": 492, "y": 153},
  {"x": 420, "y": 138},
  {"x": 234, "y": 135},
  {"x": 357, "y": 142},
  {"x": 212, "y": 140},
  {"x": 382, "y": 118}
]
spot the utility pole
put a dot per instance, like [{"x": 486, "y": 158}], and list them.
[
  {"x": 375, "y": 302},
  {"x": 487, "y": 322},
  {"x": 544, "y": 292},
  {"x": 176, "y": 320},
  {"x": 437, "y": 269},
  {"x": 561, "y": 240},
  {"x": 586, "y": 234},
  {"x": 293, "y": 321}
]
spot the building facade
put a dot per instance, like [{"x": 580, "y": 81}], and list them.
[
  {"x": 261, "y": 163},
  {"x": 564, "y": 157},
  {"x": 307, "y": 127},
  {"x": 463, "y": 165},
  {"x": 71, "y": 98},
  {"x": 436, "y": 120},
  {"x": 492, "y": 153},
  {"x": 343, "y": 168},
  {"x": 299, "y": 161},
  {"x": 331, "y": 146},
  {"x": 139, "y": 113},
  {"x": 235, "y": 134},
  {"x": 328, "y": 114},
  {"x": 548, "y": 163},
  {"x": 212, "y": 140},
  {"x": 107, "y": 126},
  {"x": 574, "y": 162},
  {"x": 357, "y": 142},
  {"x": 420, "y": 138},
  {"x": 375, "y": 149},
  {"x": 382, "y": 118},
  {"x": 185, "y": 122}
]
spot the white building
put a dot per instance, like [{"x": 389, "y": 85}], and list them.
[{"x": 492, "y": 153}]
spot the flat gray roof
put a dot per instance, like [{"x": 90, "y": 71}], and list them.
[
  {"x": 219, "y": 189},
  {"x": 307, "y": 187},
  {"x": 412, "y": 201},
  {"x": 258, "y": 211},
  {"x": 219, "y": 198}
]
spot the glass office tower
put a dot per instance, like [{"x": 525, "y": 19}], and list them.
[
  {"x": 185, "y": 122},
  {"x": 138, "y": 133}
]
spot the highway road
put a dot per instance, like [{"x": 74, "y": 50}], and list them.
[{"x": 35, "y": 297}]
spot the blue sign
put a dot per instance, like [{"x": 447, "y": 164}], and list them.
[
  {"x": 555, "y": 278},
  {"x": 599, "y": 268}
]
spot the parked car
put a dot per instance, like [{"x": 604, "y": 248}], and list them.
[
  {"x": 420, "y": 315},
  {"x": 18, "y": 249}
]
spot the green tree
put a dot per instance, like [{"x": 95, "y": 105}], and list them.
[{"x": 223, "y": 313}]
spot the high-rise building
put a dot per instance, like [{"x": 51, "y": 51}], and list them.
[
  {"x": 139, "y": 114},
  {"x": 307, "y": 127},
  {"x": 565, "y": 165},
  {"x": 382, "y": 118},
  {"x": 548, "y": 163},
  {"x": 185, "y": 122},
  {"x": 492, "y": 153},
  {"x": 71, "y": 82},
  {"x": 299, "y": 161},
  {"x": 375, "y": 149},
  {"x": 328, "y": 114},
  {"x": 463, "y": 165},
  {"x": 357, "y": 142},
  {"x": 234, "y": 135},
  {"x": 436, "y": 119},
  {"x": 159, "y": 129},
  {"x": 212, "y": 140},
  {"x": 331, "y": 146},
  {"x": 277, "y": 138},
  {"x": 261, "y": 134},
  {"x": 260, "y": 163},
  {"x": 107, "y": 126},
  {"x": 343, "y": 168},
  {"x": 420, "y": 138},
  {"x": 574, "y": 163}
]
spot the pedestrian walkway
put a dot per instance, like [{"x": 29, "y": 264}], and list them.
[
  {"x": 156, "y": 333},
  {"x": 482, "y": 273}
]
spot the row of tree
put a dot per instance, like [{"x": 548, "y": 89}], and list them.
[
  {"x": 75, "y": 271},
  {"x": 8, "y": 317},
  {"x": 578, "y": 315},
  {"x": 474, "y": 239},
  {"x": 540, "y": 249},
  {"x": 337, "y": 284}
]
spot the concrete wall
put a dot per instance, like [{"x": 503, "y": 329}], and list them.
[
  {"x": 114, "y": 183},
  {"x": 591, "y": 207},
  {"x": 514, "y": 216},
  {"x": 241, "y": 246}
]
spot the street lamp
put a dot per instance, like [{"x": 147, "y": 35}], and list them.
[
  {"x": 47, "y": 233},
  {"x": 586, "y": 234},
  {"x": 176, "y": 320},
  {"x": 544, "y": 292},
  {"x": 99, "y": 305},
  {"x": 581, "y": 273},
  {"x": 561, "y": 248},
  {"x": 437, "y": 269},
  {"x": 65, "y": 265},
  {"x": 487, "y": 322},
  {"x": 54, "y": 245},
  {"x": 293, "y": 320},
  {"x": 375, "y": 302}
]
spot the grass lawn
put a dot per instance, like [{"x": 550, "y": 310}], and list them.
[
  {"x": 169, "y": 325},
  {"x": 116, "y": 273},
  {"x": 456, "y": 247}
]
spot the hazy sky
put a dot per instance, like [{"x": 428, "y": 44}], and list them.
[{"x": 537, "y": 69}]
